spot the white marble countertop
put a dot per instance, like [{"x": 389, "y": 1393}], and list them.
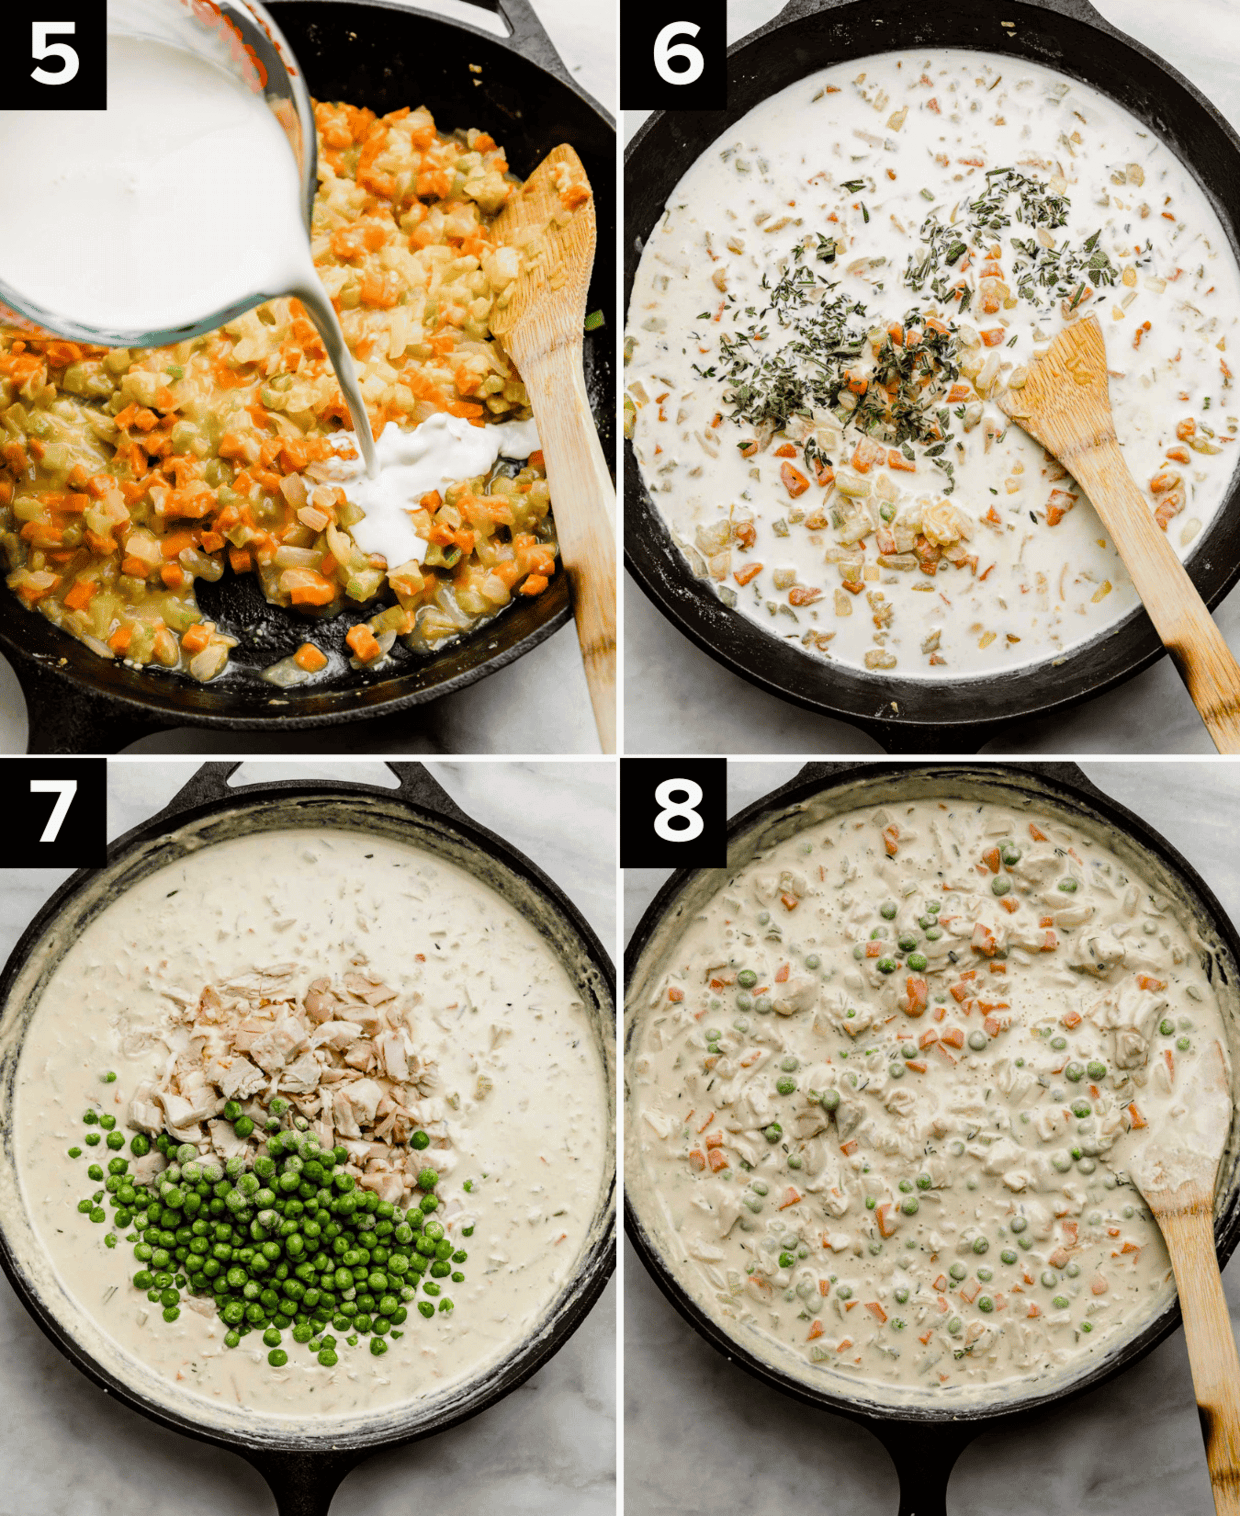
[
  {"x": 548, "y": 1447},
  {"x": 1133, "y": 1446},
  {"x": 679, "y": 700},
  {"x": 541, "y": 703}
]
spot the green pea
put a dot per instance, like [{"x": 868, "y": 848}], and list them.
[
  {"x": 985, "y": 1303},
  {"x": 906, "y": 944},
  {"x": 1019, "y": 1223},
  {"x": 917, "y": 961},
  {"x": 764, "y": 1005},
  {"x": 1096, "y": 1070},
  {"x": 924, "y": 1181},
  {"x": 1000, "y": 884},
  {"x": 888, "y": 910},
  {"x": 743, "y": 1001},
  {"x": 1075, "y": 1072},
  {"x": 1068, "y": 886},
  {"x": 1166, "y": 1027},
  {"x": 773, "y": 1132},
  {"x": 830, "y": 1100},
  {"x": 1009, "y": 853},
  {"x": 1183, "y": 1043},
  {"x": 953, "y": 1325},
  {"x": 1081, "y": 1109},
  {"x": 1008, "y": 1256},
  {"x": 747, "y": 979},
  {"x": 884, "y": 966},
  {"x": 980, "y": 1245},
  {"x": 978, "y": 1040},
  {"x": 1060, "y": 1302},
  {"x": 934, "y": 934},
  {"x": 1059, "y": 1043},
  {"x": 901, "y": 1296},
  {"x": 896, "y": 1070},
  {"x": 957, "y": 1271},
  {"x": 911, "y": 1206},
  {"x": 785, "y": 1086},
  {"x": 812, "y": 961},
  {"x": 713, "y": 1034}
]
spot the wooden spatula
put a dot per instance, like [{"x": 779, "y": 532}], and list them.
[
  {"x": 541, "y": 328},
  {"x": 1174, "y": 1167},
  {"x": 1065, "y": 405}
]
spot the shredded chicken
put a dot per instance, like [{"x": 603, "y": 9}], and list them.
[{"x": 342, "y": 1055}]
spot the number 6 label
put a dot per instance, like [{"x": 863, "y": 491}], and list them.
[
  {"x": 665, "y": 50},
  {"x": 673, "y": 813},
  {"x": 677, "y": 64}
]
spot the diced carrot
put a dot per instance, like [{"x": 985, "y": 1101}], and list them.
[
  {"x": 815, "y": 1330},
  {"x": 195, "y": 638},
  {"x": 240, "y": 560},
  {"x": 794, "y": 480},
  {"x": 1148, "y": 982},
  {"x": 121, "y": 638},
  {"x": 750, "y": 571},
  {"x": 954, "y": 1037},
  {"x": 697, "y": 1159},
  {"x": 310, "y": 658},
  {"x": 918, "y": 995},
  {"x": 891, "y": 839},
  {"x": 876, "y": 1310},
  {"x": 173, "y": 575},
  {"x": 717, "y": 1159},
  {"x": 535, "y": 584},
  {"x": 991, "y": 859},
  {"x": 79, "y": 596},
  {"x": 1036, "y": 833},
  {"x": 362, "y": 640}
]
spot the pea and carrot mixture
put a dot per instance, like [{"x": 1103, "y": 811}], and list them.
[
  {"x": 886, "y": 1086},
  {"x": 128, "y": 475}
]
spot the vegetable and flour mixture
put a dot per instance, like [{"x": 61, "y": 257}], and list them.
[
  {"x": 887, "y": 1083},
  {"x": 311, "y": 1121},
  {"x": 838, "y": 290}
]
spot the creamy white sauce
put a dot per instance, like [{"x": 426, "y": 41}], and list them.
[
  {"x": 863, "y": 153},
  {"x": 184, "y": 194},
  {"x": 414, "y": 461},
  {"x": 919, "y": 1207},
  {"x": 491, "y": 1000}
]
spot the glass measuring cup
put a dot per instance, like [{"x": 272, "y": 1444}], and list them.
[{"x": 239, "y": 37}]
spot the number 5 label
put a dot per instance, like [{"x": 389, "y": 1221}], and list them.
[
  {"x": 58, "y": 813},
  {"x": 673, "y": 812},
  {"x": 58, "y": 57},
  {"x": 677, "y": 64}
]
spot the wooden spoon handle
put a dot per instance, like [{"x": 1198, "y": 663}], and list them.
[
  {"x": 1178, "y": 612},
  {"x": 1211, "y": 1347},
  {"x": 584, "y": 501}
]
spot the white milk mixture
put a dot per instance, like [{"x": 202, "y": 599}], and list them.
[
  {"x": 520, "y": 1096},
  {"x": 886, "y": 1086},
  {"x": 415, "y": 461},
  {"x": 822, "y": 318},
  {"x": 189, "y": 198}
]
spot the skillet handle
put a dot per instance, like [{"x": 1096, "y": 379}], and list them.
[
  {"x": 526, "y": 35},
  {"x": 799, "y": 10},
  {"x": 63, "y": 719},
  {"x": 420, "y": 787},
  {"x": 924, "y": 1455},
  {"x": 303, "y": 1484},
  {"x": 208, "y": 782}
]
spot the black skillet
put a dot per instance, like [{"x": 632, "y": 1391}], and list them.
[
  {"x": 383, "y": 56},
  {"x": 909, "y": 715},
  {"x": 925, "y": 1442},
  {"x": 305, "y": 1468}
]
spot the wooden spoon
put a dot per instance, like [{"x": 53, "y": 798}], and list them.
[
  {"x": 1064, "y": 403},
  {"x": 1175, "y": 1169},
  {"x": 542, "y": 327}
]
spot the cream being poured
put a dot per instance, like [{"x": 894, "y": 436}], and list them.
[{"x": 191, "y": 194}]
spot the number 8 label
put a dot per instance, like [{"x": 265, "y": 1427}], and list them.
[{"x": 685, "y": 810}]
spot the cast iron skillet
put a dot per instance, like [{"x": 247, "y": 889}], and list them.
[
  {"x": 925, "y": 1442},
  {"x": 305, "y": 1467},
  {"x": 909, "y": 715},
  {"x": 384, "y": 56}
]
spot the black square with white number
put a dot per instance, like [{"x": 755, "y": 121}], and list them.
[
  {"x": 56, "y": 56},
  {"x": 57, "y": 813},
  {"x": 673, "y": 813},
  {"x": 674, "y": 57}
]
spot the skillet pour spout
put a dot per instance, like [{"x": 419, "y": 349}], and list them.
[{"x": 907, "y": 715}]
